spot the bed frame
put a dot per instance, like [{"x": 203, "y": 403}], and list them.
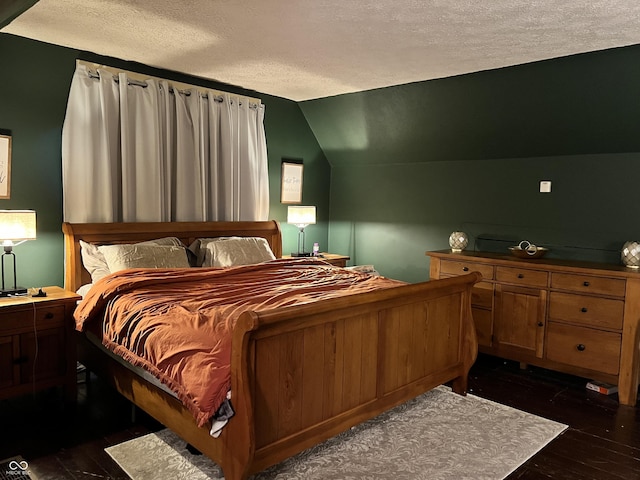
[{"x": 302, "y": 374}]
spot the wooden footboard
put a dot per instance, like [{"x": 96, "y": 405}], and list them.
[{"x": 302, "y": 374}]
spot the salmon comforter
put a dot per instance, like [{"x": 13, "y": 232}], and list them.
[{"x": 177, "y": 323}]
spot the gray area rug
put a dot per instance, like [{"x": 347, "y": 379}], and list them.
[{"x": 438, "y": 435}]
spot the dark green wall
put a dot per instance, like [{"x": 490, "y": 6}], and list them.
[
  {"x": 34, "y": 85},
  {"x": 10, "y": 9},
  {"x": 414, "y": 162}
]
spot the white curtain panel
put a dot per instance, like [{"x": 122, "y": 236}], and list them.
[{"x": 149, "y": 153}]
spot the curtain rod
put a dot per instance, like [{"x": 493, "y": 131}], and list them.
[{"x": 141, "y": 83}]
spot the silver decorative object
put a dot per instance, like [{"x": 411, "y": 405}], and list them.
[
  {"x": 458, "y": 241},
  {"x": 630, "y": 254},
  {"x": 526, "y": 249}
]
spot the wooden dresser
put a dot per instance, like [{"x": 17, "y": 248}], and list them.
[{"x": 576, "y": 317}]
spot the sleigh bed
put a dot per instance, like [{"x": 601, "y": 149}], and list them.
[{"x": 302, "y": 373}]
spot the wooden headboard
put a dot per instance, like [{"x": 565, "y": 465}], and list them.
[{"x": 75, "y": 274}]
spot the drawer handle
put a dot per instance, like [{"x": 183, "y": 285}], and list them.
[
  {"x": 581, "y": 347},
  {"x": 586, "y": 284},
  {"x": 540, "y": 324},
  {"x": 465, "y": 269},
  {"x": 583, "y": 309},
  {"x": 48, "y": 315},
  {"x": 520, "y": 275}
]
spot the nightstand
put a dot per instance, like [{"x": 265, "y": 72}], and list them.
[
  {"x": 332, "y": 258},
  {"x": 335, "y": 259},
  {"x": 37, "y": 346}
]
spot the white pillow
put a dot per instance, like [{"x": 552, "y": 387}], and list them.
[
  {"x": 84, "y": 289},
  {"x": 232, "y": 251},
  {"x": 95, "y": 263},
  {"x": 121, "y": 257},
  {"x": 364, "y": 269}
]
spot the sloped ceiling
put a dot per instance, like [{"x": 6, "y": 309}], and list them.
[{"x": 306, "y": 49}]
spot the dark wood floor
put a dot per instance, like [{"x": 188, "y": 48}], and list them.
[
  {"x": 601, "y": 443},
  {"x": 603, "y": 438}
]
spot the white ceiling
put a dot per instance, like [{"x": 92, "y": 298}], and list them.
[{"x": 305, "y": 49}]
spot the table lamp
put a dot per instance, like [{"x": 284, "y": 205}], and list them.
[
  {"x": 301, "y": 217},
  {"x": 16, "y": 226}
]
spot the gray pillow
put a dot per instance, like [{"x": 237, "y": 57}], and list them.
[
  {"x": 233, "y": 251},
  {"x": 95, "y": 263},
  {"x": 122, "y": 257}
]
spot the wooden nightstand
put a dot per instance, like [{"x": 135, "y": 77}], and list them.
[
  {"x": 332, "y": 258},
  {"x": 335, "y": 259},
  {"x": 37, "y": 346}
]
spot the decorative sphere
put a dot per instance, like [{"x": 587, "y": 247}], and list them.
[
  {"x": 458, "y": 241},
  {"x": 630, "y": 254}
]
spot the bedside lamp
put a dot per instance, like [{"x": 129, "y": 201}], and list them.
[
  {"x": 16, "y": 226},
  {"x": 301, "y": 217}
]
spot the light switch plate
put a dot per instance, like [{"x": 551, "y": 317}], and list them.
[{"x": 545, "y": 186}]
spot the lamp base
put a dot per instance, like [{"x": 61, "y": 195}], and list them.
[
  {"x": 303, "y": 254},
  {"x": 13, "y": 291}
]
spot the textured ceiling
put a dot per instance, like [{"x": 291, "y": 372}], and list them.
[{"x": 305, "y": 49}]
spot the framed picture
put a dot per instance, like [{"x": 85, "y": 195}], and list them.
[
  {"x": 291, "y": 188},
  {"x": 5, "y": 166}
]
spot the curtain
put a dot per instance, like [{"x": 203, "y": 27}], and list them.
[{"x": 145, "y": 151}]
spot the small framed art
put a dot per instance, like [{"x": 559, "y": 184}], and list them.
[
  {"x": 291, "y": 187},
  {"x": 5, "y": 166}
]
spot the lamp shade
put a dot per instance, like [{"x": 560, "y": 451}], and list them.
[
  {"x": 301, "y": 216},
  {"x": 17, "y": 225}
]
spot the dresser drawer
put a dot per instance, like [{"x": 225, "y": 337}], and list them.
[
  {"x": 522, "y": 276},
  {"x": 45, "y": 316},
  {"x": 449, "y": 267},
  {"x": 585, "y": 310},
  {"x": 588, "y": 284},
  {"x": 584, "y": 347}
]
